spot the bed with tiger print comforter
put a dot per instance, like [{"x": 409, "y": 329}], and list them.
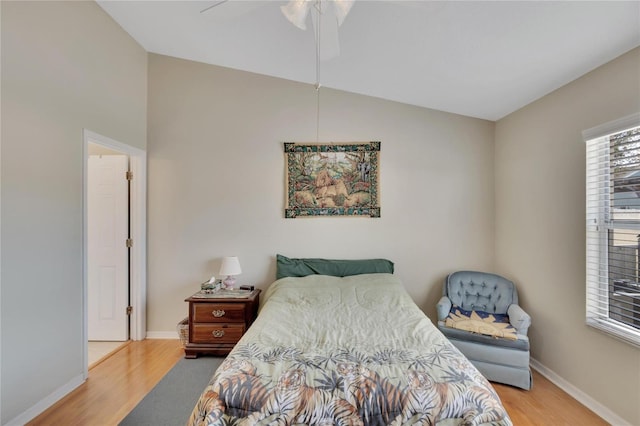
[{"x": 345, "y": 351}]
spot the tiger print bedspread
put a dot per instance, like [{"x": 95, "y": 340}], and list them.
[{"x": 345, "y": 351}]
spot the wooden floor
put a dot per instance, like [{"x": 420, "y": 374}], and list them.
[
  {"x": 545, "y": 404},
  {"x": 117, "y": 384}
]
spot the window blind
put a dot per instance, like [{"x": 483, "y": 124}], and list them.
[{"x": 613, "y": 233}]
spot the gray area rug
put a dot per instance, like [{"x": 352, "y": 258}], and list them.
[{"x": 171, "y": 401}]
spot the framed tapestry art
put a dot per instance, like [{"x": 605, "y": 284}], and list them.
[{"x": 332, "y": 179}]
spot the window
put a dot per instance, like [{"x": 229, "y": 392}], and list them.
[{"x": 613, "y": 228}]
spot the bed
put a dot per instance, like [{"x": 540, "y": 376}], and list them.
[{"x": 345, "y": 350}]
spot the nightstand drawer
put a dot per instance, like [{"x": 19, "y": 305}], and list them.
[
  {"x": 218, "y": 312},
  {"x": 217, "y": 333}
]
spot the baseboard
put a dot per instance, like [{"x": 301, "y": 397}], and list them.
[
  {"x": 580, "y": 396},
  {"x": 47, "y": 402},
  {"x": 162, "y": 335}
]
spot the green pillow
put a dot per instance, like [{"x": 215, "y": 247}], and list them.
[{"x": 288, "y": 267}]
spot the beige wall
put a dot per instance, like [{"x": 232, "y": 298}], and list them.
[
  {"x": 540, "y": 229},
  {"x": 216, "y": 183},
  {"x": 65, "y": 66},
  {"x": 216, "y": 188}
]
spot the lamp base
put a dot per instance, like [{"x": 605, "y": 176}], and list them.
[{"x": 229, "y": 282}]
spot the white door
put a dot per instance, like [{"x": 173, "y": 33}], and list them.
[{"x": 107, "y": 252}]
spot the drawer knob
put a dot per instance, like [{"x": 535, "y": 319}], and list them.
[
  {"x": 217, "y": 333},
  {"x": 218, "y": 313}
]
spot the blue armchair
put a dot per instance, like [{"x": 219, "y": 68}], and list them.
[{"x": 480, "y": 315}]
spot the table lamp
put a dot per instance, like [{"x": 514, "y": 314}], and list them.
[{"x": 230, "y": 267}]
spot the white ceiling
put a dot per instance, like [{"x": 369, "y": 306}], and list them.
[{"x": 475, "y": 58}]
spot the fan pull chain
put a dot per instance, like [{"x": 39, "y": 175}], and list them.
[{"x": 318, "y": 6}]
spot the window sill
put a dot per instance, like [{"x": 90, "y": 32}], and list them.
[{"x": 619, "y": 331}]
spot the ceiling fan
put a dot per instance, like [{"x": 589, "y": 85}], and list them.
[{"x": 326, "y": 17}]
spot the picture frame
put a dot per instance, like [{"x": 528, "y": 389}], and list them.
[{"x": 332, "y": 179}]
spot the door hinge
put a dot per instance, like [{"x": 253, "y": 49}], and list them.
[
  {"x": 129, "y": 243},
  {"x": 129, "y": 175},
  {"x": 129, "y": 310}
]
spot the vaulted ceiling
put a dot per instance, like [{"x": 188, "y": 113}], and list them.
[{"x": 475, "y": 58}]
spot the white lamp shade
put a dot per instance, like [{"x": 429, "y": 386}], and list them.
[{"x": 230, "y": 266}]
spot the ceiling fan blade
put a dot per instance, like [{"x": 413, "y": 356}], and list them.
[
  {"x": 296, "y": 12},
  {"x": 342, "y": 8},
  {"x": 218, "y": 3}
]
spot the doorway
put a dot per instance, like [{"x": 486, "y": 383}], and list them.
[
  {"x": 114, "y": 247},
  {"x": 107, "y": 251}
]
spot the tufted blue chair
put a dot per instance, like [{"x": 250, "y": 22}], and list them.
[{"x": 498, "y": 359}]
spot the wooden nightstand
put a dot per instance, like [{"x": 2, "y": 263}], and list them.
[{"x": 217, "y": 323}]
